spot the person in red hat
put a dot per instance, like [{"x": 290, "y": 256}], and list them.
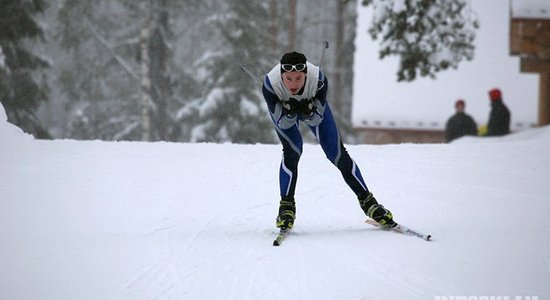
[
  {"x": 499, "y": 117},
  {"x": 460, "y": 124}
]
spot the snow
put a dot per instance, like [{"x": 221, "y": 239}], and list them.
[
  {"x": 8, "y": 129},
  {"x": 380, "y": 101},
  {"x": 211, "y": 101},
  {"x": 532, "y": 9},
  {"x": 249, "y": 107},
  {"x": 134, "y": 220}
]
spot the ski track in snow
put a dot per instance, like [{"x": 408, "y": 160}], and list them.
[
  {"x": 196, "y": 221},
  {"x": 159, "y": 280}
]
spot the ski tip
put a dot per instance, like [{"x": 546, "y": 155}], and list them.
[{"x": 371, "y": 222}]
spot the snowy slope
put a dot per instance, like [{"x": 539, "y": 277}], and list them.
[{"x": 130, "y": 220}]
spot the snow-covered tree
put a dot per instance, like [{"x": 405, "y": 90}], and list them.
[
  {"x": 122, "y": 75},
  {"x": 22, "y": 88},
  {"x": 339, "y": 75},
  {"x": 195, "y": 49},
  {"x": 428, "y": 36},
  {"x": 98, "y": 76},
  {"x": 233, "y": 110}
]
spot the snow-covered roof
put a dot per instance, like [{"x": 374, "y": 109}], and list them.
[{"x": 530, "y": 9}]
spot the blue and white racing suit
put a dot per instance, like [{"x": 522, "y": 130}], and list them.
[{"x": 321, "y": 124}]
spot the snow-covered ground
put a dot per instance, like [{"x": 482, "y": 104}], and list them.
[{"x": 131, "y": 220}]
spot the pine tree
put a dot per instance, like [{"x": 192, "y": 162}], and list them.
[
  {"x": 21, "y": 88},
  {"x": 100, "y": 74},
  {"x": 233, "y": 109},
  {"x": 122, "y": 79},
  {"x": 428, "y": 36}
]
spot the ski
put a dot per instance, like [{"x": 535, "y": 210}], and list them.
[
  {"x": 402, "y": 229},
  {"x": 280, "y": 237}
]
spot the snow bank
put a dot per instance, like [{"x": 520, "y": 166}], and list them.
[
  {"x": 534, "y": 136},
  {"x": 10, "y": 133}
]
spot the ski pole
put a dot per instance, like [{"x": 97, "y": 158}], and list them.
[
  {"x": 251, "y": 75},
  {"x": 325, "y": 46}
]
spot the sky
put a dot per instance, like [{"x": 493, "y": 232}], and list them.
[{"x": 379, "y": 99}]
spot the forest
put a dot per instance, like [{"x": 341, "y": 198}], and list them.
[{"x": 168, "y": 70}]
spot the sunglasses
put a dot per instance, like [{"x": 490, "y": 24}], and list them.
[{"x": 296, "y": 67}]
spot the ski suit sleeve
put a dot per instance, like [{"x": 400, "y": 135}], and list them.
[
  {"x": 275, "y": 107},
  {"x": 320, "y": 102}
]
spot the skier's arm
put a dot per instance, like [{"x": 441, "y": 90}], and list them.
[
  {"x": 319, "y": 101},
  {"x": 280, "y": 116}
]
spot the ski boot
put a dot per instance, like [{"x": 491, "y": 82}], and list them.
[
  {"x": 287, "y": 214},
  {"x": 376, "y": 211}
]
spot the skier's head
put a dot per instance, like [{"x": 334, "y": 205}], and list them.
[
  {"x": 293, "y": 71},
  {"x": 293, "y": 61}
]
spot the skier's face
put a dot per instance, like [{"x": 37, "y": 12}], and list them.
[{"x": 294, "y": 81}]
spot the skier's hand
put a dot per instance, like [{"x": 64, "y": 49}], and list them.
[
  {"x": 290, "y": 107},
  {"x": 307, "y": 107}
]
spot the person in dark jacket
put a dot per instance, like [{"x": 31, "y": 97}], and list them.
[
  {"x": 460, "y": 124},
  {"x": 499, "y": 117}
]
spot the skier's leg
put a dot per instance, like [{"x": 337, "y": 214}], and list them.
[
  {"x": 292, "y": 150},
  {"x": 328, "y": 136},
  {"x": 288, "y": 174}
]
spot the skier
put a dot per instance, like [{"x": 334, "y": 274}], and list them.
[
  {"x": 460, "y": 124},
  {"x": 296, "y": 90}
]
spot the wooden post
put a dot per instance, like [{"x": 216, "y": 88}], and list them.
[
  {"x": 544, "y": 98},
  {"x": 535, "y": 65},
  {"x": 530, "y": 38}
]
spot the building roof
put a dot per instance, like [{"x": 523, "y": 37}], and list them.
[{"x": 530, "y": 9}]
